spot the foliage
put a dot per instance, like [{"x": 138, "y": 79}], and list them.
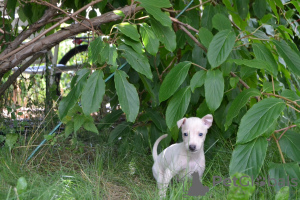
[{"x": 236, "y": 59}]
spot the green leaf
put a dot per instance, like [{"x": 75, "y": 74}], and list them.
[
  {"x": 21, "y": 185},
  {"x": 150, "y": 90},
  {"x": 149, "y": 39},
  {"x": 238, "y": 103},
  {"x": 157, "y": 119},
  {"x": 71, "y": 99},
  {"x": 242, "y": 8},
  {"x": 208, "y": 14},
  {"x": 128, "y": 96},
  {"x": 93, "y": 93},
  {"x": 156, "y": 3},
  {"x": 291, "y": 58},
  {"x": 123, "y": 128},
  {"x": 289, "y": 144},
  {"x": 220, "y": 47},
  {"x": 259, "y": 8},
  {"x": 198, "y": 80},
  {"x": 90, "y": 126},
  {"x": 112, "y": 55},
  {"x": 178, "y": 106},
  {"x": 283, "y": 193},
  {"x": 137, "y": 46},
  {"x": 256, "y": 63},
  {"x": 129, "y": 30},
  {"x": 291, "y": 95},
  {"x": 259, "y": 118},
  {"x": 95, "y": 49},
  {"x": 263, "y": 53},
  {"x": 154, "y": 8},
  {"x": 119, "y": 13},
  {"x": 205, "y": 36},
  {"x": 248, "y": 158},
  {"x": 110, "y": 118},
  {"x": 173, "y": 80},
  {"x": 78, "y": 122},
  {"x": 165, "y": 34},
  {"x": 214, "y": 89},
  {"x": 11, "y": 140},
  {"x": 139, "y": 62},
  {"x": 11, "y": 7},
  {"x": 280, "y": 174},
  {"x": 221, "y": 22}
]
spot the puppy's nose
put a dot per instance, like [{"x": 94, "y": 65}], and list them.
[{"x": 192, "y": 147}]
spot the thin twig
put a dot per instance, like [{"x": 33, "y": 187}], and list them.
[
  {"x": 193, "y": 38},
  {"x": 279, "y": 148},
  {"x": 199, "y": 66},
  {"x": 286, "y": 129},
  {"x": 49, "y": 29},
  {"x": 281, "y": 97},
  {"x": 183, "y": 24},
  {"x": 160, "y": 77}
]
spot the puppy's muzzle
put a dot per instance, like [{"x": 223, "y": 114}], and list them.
[{"x": 192, "y": 147}]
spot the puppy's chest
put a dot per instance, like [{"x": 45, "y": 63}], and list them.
[{"x": 190, "y": 165}]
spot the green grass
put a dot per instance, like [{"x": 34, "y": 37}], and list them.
[{"x": 95, "y": 169}]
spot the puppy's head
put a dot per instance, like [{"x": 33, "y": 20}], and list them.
[{"x": 194, "y": 131}]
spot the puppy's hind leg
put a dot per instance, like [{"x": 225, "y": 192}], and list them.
[{"x": 164, "y": 182}]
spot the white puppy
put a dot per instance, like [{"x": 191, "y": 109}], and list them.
[{"x": 182, "y": 158}]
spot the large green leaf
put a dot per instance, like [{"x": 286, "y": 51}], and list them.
[
  {"x": 256, "y": 63},
  {"x": 221, "y": 22},
  {"x": 198, "y": 80},
  {"x": 11, "y": 6},
  {"x": 93, "y": 93},
  {"x": 291, "y": 95},
  {"x": 289, "y": 144},
  {"x": 205, "y": 36},
  {"x": 128, "y": 96},
  {"x": 248, "y": 158},
  {"x": 242, "y": 7},
  {"x": 220, "y": 47},
  {"x": 157, "y": 119},
  {"x": 71, "y": 99},
  {"x": 154, "y": 8},
  {"x": 137, "y": 46},
  {"x": 173, "y": 80},
  {"x": 149, "y": 39},
  {"x": 165, "y": 34},
  {"x": 123, "y": 128},
  {"x": 259, "y": 118},
  {"x": 291, "y": 58},
  {"x": 263, "y": 53},
  {"x": 208, "y": 13},
  {"x": 214, "y": 89},
  {"x": 95, "y": 49},
  {"x": 259, "y": 8},
  {"x": 139, "y": 62},
  {"x": 129, "y": 30},
  {"x": 178, "y": 106},
  {"x": 280, "y": 174},
  {"x": 238, "y": 103}
]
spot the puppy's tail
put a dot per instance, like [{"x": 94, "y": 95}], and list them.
[{"x": 154, "y": 151}]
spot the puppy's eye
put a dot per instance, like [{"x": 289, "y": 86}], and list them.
[
  {"x": 185, "y": 134},
  {"x": 200, "y": 134}
]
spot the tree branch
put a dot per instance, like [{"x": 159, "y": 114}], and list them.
[
  {"x": 15, "y": 75},
  {"x": 48, "y": 30},
  {"x": 53, "y": 39}
]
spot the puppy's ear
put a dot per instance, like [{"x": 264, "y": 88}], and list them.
[
  {"x": 207, "y": 120},
  {"x": 181, "y": 122}
]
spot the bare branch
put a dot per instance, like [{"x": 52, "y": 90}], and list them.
[
  {"x": 49, "y": 29},
  {"x": 53, "y": 39},
  {"x": 15, "y": 75}
]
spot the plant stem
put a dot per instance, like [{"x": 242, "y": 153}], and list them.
[{"x": 279, "y": 148}]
